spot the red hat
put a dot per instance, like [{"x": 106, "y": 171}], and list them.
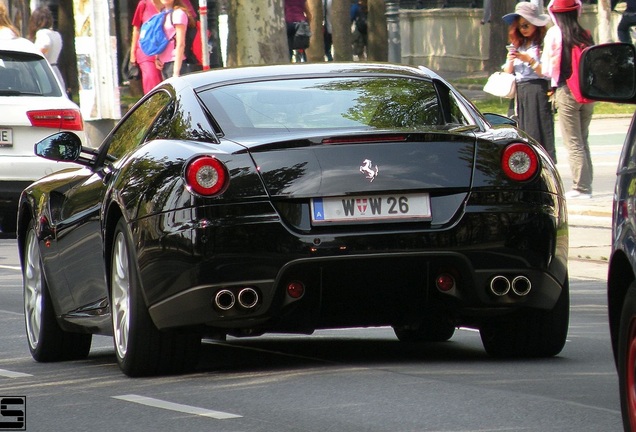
[{"x": 559, "y": 6}]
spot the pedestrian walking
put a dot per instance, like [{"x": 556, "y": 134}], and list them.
[
  {"x": 172, "y": 61},
  {"x": 7, "y": 29},
  {"x": 533, "y": 108},
  {"x": 562, "y": 43},
  {"x": 358, "y": 12},
  {"x": 150, "y": 75},
  {"x": 628, "y": 20},
  {"x": 296, "y": 11},
  {"x": 48, "y": 41}
]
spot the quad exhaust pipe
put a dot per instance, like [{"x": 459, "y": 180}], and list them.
[
  {"x": 224, "y": 299},
  {"x": 247, "y": 299},
  {"x": 501, "y": 285},
  {"x": 521, "y": 285}
]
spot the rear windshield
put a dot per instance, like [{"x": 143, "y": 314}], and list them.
[
  {"x": 23, "y": 74},
  {"x": 331, "y": 103}
]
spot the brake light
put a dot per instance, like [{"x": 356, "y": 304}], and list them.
[
  {"x": 519, "y": 162},
  {"x": 364, "y": 139},
  {"x": 63, "y": 119},
  {"x": 206, "y": 176}
]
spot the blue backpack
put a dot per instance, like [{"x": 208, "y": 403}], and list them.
[{"x": 152, "y": 37}]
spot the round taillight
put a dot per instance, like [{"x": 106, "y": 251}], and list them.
[
  {"x": 445, "y": 282},
  {"x": 519, "y": 162},
  {"x": 206, "y": 176},
  {"x": 295, "y": 289}
]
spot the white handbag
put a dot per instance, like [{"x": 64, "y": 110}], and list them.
[{"x": 501, "y": 84}]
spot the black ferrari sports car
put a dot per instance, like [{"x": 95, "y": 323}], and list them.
[{"x": 289, "y": 199}]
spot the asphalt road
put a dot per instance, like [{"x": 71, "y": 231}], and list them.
[{"x": 341, "y": 380}]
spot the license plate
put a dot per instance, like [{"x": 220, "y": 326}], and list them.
[
  {"x": 393, "y": 207},
  {"x": 6, "y": 137}
]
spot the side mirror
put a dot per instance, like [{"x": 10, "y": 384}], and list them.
[
  {"x": 60, "y": 147},
  {"x": 498, "y": 119},
  {"x": 608, "y": 73}
]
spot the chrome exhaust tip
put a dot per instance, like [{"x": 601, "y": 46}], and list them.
[
  {"x": 247, "y": 298},
  {"x": 499, "y": 285},
  {"x": 521, "y": 285},
  {"x": 224, "y": 299}
]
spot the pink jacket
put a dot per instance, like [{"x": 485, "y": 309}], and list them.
[{"x": 552, "y": 45}]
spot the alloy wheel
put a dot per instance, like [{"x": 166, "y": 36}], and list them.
[
  {"x": 120, "y": 303},
  {"x": 32, "y": 290}
]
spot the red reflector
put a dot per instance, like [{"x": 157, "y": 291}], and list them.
[
  {"x": 519, "y": 162},
  {"x": 295, "y": 289},
  {"x": 206, "y": 176},
  {"x": 444, "y": 282},
  {"x": 64, "y": 119},
  {"x": 364, "y": 139}
]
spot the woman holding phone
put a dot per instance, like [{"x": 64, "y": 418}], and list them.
[{"x": 527, "y": 28}]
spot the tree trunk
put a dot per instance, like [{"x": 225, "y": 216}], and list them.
[
  {"x": 257, "y": 33},
  {"x": 316, "y": 50},
  {"x": 377, "y": 42},
  {"x": 498, "y": 34},
  {"x": 341, "y": 22},
  {"x": 604, "y": 14}
]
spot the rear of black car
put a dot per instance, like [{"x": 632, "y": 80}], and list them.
[{"x": 365, "y": 201}]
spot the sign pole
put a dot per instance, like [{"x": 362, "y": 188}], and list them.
[{"x": 203, "y": 17}]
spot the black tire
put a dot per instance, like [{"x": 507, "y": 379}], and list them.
[
  {"x": 439, "y": 330},
  {"x": 47, "y": 341},
  {"x": 141, "y": 348},
  {"x": 529, "y": 333},
  {"x": 627, "y": 359}
]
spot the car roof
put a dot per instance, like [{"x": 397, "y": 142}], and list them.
[
  {"x": 218, "y": 76},
  {"x": 19, "y": 45}
]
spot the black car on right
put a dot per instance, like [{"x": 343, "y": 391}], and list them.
[{"x": 608, "y": 73}]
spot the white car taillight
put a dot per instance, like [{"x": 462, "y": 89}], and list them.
[
  {"x": 206, "y": 176},
  {"x": 519, "y": 162},
  {"x": 63, "y": 119}
]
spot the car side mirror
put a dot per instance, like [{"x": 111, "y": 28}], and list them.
[
  {"x": 607, "y": 72},
  {"x": 60, "y": 147}
]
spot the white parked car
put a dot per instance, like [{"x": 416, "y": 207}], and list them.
[{"x": 32, "y": 106}]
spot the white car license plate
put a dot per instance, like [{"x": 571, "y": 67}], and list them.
[
  {"x": 396, "y": 207},
  {"x": 6, "y": 137}
]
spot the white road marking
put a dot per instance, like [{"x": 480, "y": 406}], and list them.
[
  {"x": 11, "y": 374},
  {"x": 157, "y": 403},
  {"x": 11, "y": 312}
]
